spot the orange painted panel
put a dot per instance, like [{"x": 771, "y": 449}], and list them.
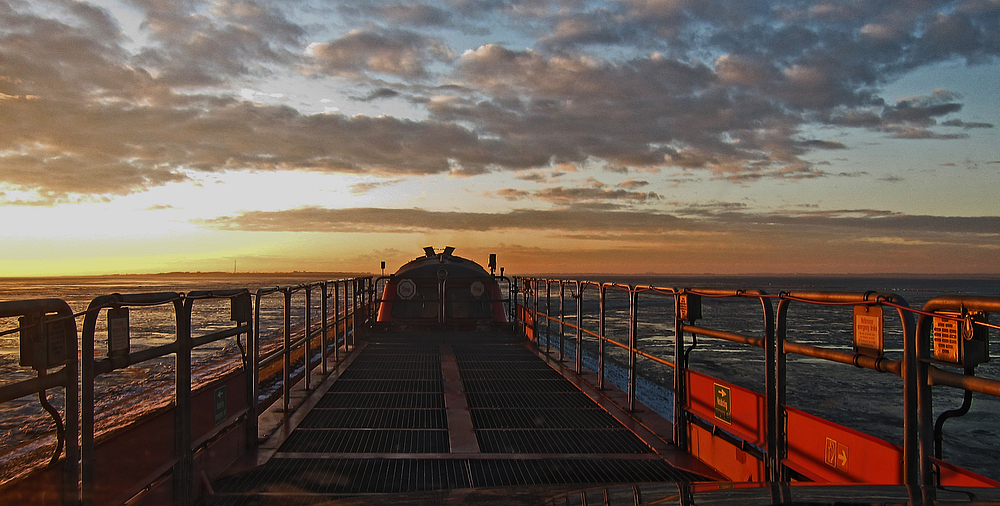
[
  {"x": 723, "y": 456},
  {"x": 709, "y": 398},
  {"x": 954, "y": 476},
  {"x": 830, "y": 453}
]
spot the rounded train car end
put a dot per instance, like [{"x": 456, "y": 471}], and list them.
[{"x": 442, "y": 291}]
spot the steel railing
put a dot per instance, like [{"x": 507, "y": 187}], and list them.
[
  {"x": 917, "y": 368},
  {"x": 303, "y": 338}
]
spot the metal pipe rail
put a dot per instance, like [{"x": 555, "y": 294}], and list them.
[
  {"x": 44, "y": 326},
  {"x": 917, "y": 369},
  {"x": 186, "y": 429}
]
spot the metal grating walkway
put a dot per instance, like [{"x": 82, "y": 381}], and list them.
[{"x": 439, "y": 411}]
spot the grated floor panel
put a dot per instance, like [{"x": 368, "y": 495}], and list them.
[
  {"x": 519, "y": 386},
  {"x": 376, "y": 419},
  {"x": 528, "y": 400},
  {"x": 392, "y": 374},
  {"x": 415, "y": 386},
  {"x": 400, "y": 395},
  {"x": 366, "y": 441},
  {"x": 574, "y": 441},
  {"x": 376, "y": 400},
  {"x": 540, "y": 418}
]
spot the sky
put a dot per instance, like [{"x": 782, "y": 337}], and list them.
[{"x": 624, "y": 137}]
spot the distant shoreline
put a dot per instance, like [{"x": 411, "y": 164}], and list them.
[
  {"x": 319, "y": 275},
  {"x": 201, "y": 274}
]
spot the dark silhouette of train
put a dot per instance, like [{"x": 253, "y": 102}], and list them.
[{"x": 442, "y": 291}]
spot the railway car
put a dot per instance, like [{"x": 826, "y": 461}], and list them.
[{"x": 442, "y": 291}]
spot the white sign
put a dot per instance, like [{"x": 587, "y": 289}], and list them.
[
  {"x": 406, "y": 289},
  {"x": 477, "y": 289}
]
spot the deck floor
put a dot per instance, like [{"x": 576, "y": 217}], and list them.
[{"x": 437, "y": 411}]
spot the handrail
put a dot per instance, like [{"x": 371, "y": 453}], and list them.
[
  {"x": 39, "y": 324},
  {"x": 351, "y": 311},
  {"x": 917, "y": 370}
]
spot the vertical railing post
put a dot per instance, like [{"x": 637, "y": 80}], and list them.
[
  {"x": 254, "y": 374},
  {"x": 601, "y": 340},
  {"x": 534, "y": 316},
  {"x": 680, "y": 373},
  {"x": 632, "y": 344},
  {"x": 323, "y": 326},
  {"x": 354, "y": 313},
  {"x": 918, "y": 422},
  {"x": 87, "y": 402},
  {"x": 336, "y": 322},
  {"x": 308, "y": 335},
  {"x": 183, "y": 469},
  {"x": 286, "y": 349},
  {"x": 579, "y": 328},
  {"x": 71, "y": 466},
  {"x": 774, "y": 384},
  {"x": 562, "y": 320},
  {"x": 548, "y": 316}
]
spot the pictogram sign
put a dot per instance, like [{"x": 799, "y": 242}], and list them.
[{"x": 836, "y": 454}]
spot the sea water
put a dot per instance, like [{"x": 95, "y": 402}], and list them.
[
  {"x": 860, "y": 399},
  {"x": 864, "y": 400},
  {"x": 27, "y": 432}
]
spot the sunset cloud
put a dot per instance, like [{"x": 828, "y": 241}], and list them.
[{"x": 576, "y": 109}]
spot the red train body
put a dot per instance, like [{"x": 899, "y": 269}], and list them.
[{"x": 441, "y": 291}]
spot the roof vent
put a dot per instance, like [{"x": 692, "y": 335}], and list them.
[
  {"x": 448, "y": 250},
  {"x": 429, "y": 251}
]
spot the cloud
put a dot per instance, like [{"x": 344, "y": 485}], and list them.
[
  {"x": 711, "y": 237},
  {"x": 235, "y": 38},
  {"x": 410, "y": 14},
  {"x": 713, "y": 89},
  {"x": 381, "y": 51}
]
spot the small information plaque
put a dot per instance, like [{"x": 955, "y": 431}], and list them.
[
  {"x": 868, "y": 331},
  {"x": 119, "y": 341},
  {"x": 723, "y": 404},
  {"x": 221, "y": 406},
  {"x": 947, "y": 336}
]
